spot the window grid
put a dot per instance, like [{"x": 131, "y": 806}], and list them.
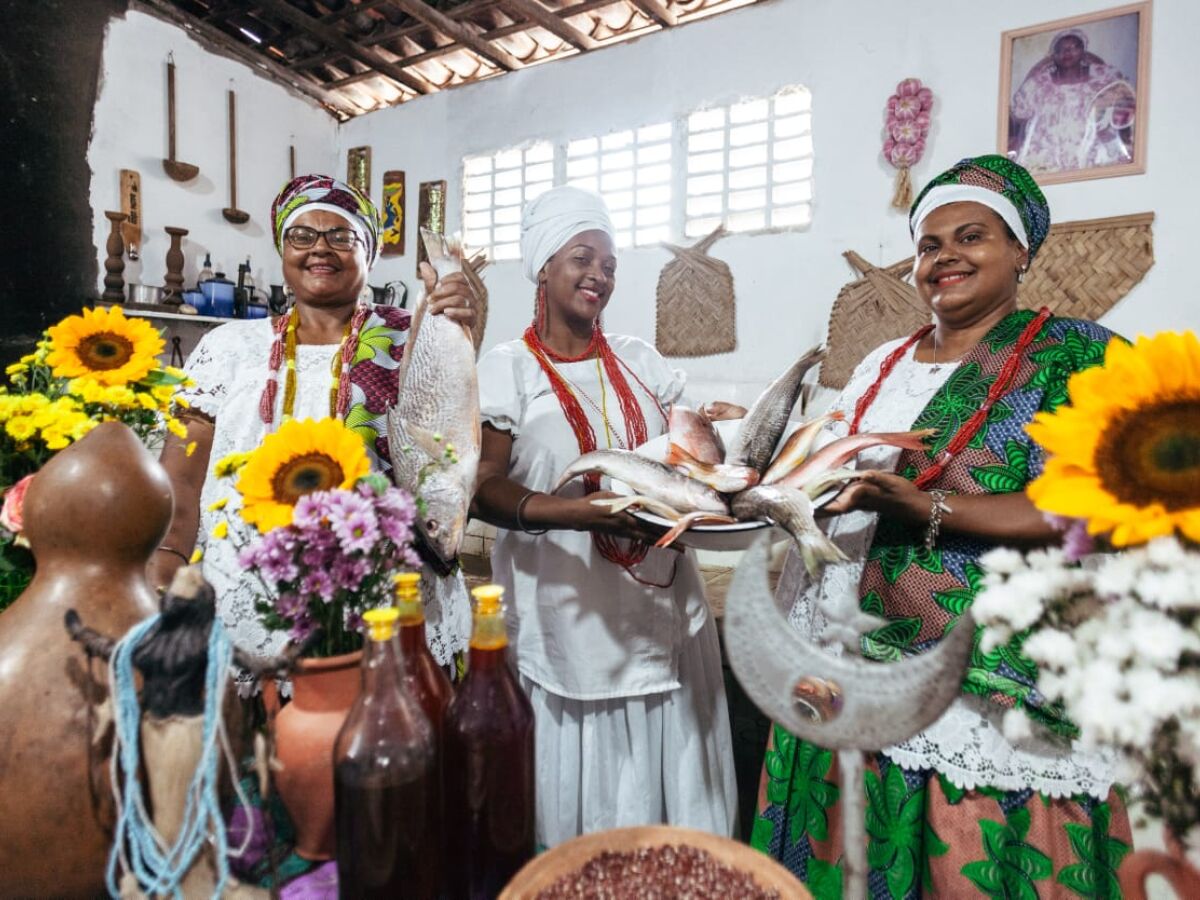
[
  {"x": 746, "y": 165},
  {"x": 496, "y": 188}
]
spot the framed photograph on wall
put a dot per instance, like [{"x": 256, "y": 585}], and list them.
[{"x": 1074, "y": 95}]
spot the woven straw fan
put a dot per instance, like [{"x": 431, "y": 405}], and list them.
[
  {"x": 877, "y": 307},
  {"x": 696, "y": 314}
]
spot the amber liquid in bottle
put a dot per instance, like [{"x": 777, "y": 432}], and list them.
[
  {"x": 430, "y": 684},
  {"x": 487, "y": 765},
  {"x": 385, "y": 777}
]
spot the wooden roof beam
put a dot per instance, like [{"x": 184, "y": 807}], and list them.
[
  {"x": 459, "y": 32},
  {"x": 533, "y": 10},
  {"x": 336, "y": 104},
  {"x": 658, "y": 11},
  {"x": 343, "y": 44}
]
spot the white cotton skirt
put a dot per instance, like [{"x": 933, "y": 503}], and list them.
[{"x": 646, "y": 760}]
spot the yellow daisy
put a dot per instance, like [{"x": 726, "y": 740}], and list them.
[
  {"x": 1125, "y": 455},
  {"x": 104, "y": 345},
  {"x": 301, "y": 457}
]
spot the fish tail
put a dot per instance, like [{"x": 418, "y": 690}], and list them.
[
  {"x": 913, "y": 440},
  {"x": 816, "y": 550},
  {"x": 837, "y": 416}
]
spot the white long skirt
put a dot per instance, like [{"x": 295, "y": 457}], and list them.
[{"x": 656, "y": 758}]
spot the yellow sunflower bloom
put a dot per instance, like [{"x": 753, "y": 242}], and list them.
[
  {"x": 1125, "y": 455},
  {"x": 301, "y": 457},
  {"x": 104, "y": 345}
]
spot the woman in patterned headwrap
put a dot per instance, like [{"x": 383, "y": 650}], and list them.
[
  {"x": 252, "y": 375},
  {"x": 963, "y": 808}
]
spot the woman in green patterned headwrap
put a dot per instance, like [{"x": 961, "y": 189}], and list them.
[{"x": 967, "y": 807}]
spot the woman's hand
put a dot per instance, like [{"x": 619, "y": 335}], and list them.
[
  {"x": 719, "y": 411},
  {"x": 596, "y": 518},
  {"x": 882, "y": 492},
  {"x": 452, "y": 296}
]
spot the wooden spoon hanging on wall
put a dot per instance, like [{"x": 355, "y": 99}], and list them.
[
  {"x": 232, "y": 213},
  {"x": 179, "y": 171}
]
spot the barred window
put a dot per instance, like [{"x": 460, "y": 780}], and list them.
[
  {"x": 496, "y": 189},
  {"x": 746, "y": 165},
  {"x": 632, "y": 171},
  {"x": 749, "y": 165}
]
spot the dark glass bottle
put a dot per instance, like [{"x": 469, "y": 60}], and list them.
[
  {"x": 385, "y": 776},
  {"x": 431, "y": 686},
  {"x": 487, "y": 765}
]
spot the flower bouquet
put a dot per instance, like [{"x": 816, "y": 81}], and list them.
[
  {"x": 1117, "y": 638},
  {"x": 90, "y": 368},
  {"x": 322, "y": 534}
]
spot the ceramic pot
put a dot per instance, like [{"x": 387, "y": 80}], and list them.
[
  {"x": 93, "y": 515},
  {"x": 323, "y": 690}
]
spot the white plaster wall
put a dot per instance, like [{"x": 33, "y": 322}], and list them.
[
  {"x": 130, "y": 132},
  {"x": 850, "y": 54}
]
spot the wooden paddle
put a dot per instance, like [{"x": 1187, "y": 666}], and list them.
[
  {"x": 179, "y": 171},
  {"x": 231, "y": 212}
]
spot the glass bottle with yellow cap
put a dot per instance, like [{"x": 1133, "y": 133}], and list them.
[
  {"x": 386, "y": 780},
  {"x": 431, "y": 686},
  {"x": 487, "y": 764}
]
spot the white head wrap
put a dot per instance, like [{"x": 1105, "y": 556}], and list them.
[
  {"x": 945, "y": 194},
  {"x": 552, "y": 219}
]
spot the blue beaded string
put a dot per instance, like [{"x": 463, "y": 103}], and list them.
[{"x": 137, "y": 845}]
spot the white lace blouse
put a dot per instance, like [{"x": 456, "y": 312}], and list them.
[
  {"x": 229, "y": 366},
  {"x": 966, "y": 744}
]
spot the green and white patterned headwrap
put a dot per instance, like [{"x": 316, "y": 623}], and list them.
[
  {"x": 998, "y": 183},
  {"x": 322, "y": 192}
]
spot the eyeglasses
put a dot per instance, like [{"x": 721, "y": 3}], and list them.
[{"x": 301, "y": 237}]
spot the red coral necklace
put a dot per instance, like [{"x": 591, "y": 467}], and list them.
[{"x": 971, "y": 427}]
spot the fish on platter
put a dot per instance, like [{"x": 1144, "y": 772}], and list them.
[
  {"x": 841, "y": 451},
  {"x": 433, "y": 429},
  {"x": 718, "y": 476},
  {"x": 764, "y": 424},
  {"x": 791, "y": 510},
  {"x": 694, "y": 431},
  {"x": 647, "y": 478},
  {"x": 798, "y": 446}
]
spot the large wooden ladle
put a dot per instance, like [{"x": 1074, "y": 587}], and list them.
[
  {"x": 178, "y": 171},
  {"x": 231, "y": 212}
]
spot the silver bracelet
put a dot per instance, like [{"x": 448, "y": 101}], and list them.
[
  {"x": 520, "y": 507},
  {"x": 937, "y": 506}
]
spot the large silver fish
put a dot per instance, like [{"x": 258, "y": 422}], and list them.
[
  {"x": 649, "y": 478},
  {"x": 763, "y": 425},
  {"x": 792, "y": 511},
  {"x": 433, "y": 430}
]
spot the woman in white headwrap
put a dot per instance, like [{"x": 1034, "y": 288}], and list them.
[{"x": 613, "y": 639}]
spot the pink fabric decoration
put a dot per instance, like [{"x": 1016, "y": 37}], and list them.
[{"x": 908, "y": 119}]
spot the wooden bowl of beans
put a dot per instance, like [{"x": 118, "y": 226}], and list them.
[{"x": 653, "y": 862}]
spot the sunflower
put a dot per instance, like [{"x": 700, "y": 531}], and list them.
[
  {"x": 301, "y": 457},
  {"x": 103, "y": 345},
  {"x": 1125, "y": 455}
]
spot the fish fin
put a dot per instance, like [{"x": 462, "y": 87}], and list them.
[
  {"x": 816, "y": 550},
  {"x": 837, "y": 416},
  {"x": 677, "y": 456},
  {"x": 687, "y": 521}
]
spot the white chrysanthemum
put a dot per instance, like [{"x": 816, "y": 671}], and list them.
[
  {"x": 1176, "y": 589},
  {"x": 1166, "y": 552},
  {"x": 1160, "y": 639},
  {"x": 1003, "y": 561},
  {"x": 1045, "y": 560},
  {"x": 1051, "y": 648},
  {"x": 1118, "y": 575}
]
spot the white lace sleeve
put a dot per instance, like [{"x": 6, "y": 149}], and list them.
[{"x": 209, "y": 367}]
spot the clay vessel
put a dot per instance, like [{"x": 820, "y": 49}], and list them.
[
  {"x": 323, "y": 690},
  {"x": 1173, "y": 865},
  {"x": 93, "y": 515}
]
